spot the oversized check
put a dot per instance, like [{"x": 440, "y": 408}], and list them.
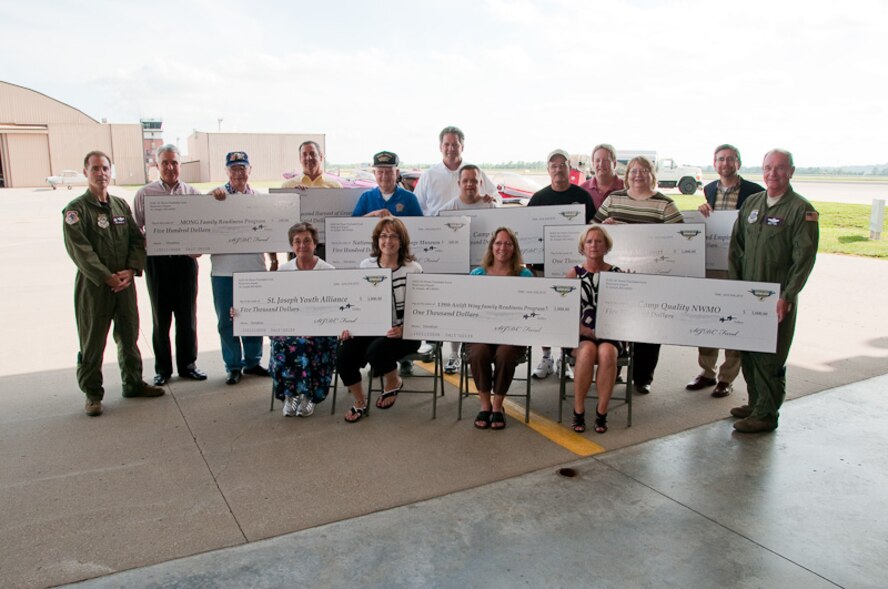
[
  {"x": 200, "y": 224},
  {"x": 316, "y": 204},
  {"x": 526, "y": 222},
  {"x": 656, "y": 248},
  {"x": 727, "y": 314},
  {"x": 719, "y": 226},
  {"x": 440, "y": 244},
  {"x": 320, "y": 302},
  {"x": 493, "y": 309}
]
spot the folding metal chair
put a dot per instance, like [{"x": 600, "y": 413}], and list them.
[
  {"x": 623, "y": 360},
  {"x": 464, "y": 379},
  {"x": 437, "y": 383}
]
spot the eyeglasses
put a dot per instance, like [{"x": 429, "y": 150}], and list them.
[
  {"x": 389, "y": 236},
  {"x": 639, "y": 172}
]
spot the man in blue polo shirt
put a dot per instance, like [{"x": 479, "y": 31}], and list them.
[{"x": 387, "y": 199}]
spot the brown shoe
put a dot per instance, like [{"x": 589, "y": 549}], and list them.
[
  {"x": 700, "y": 382},
  {"x": 145, "y": 390},
  {"x": 752, "y": 425},
  {"x": 722, "y": 389},
  {"x": 93, "y": 408},
  {"x": 741, "y": 412}
]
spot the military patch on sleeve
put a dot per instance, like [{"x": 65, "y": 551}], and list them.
[
  {"x": 812, "y": 216},
  {"x": 71, "y": 217}
]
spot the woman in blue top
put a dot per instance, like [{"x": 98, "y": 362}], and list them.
[{"x": 502, "y": 258}]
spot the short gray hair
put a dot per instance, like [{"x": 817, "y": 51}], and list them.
[
  {"x": 164, "y": 149},
  {"x": 606, "y": 147},
  {"x": 452, "y": 130},
  {"x": 785, "y": 152}
]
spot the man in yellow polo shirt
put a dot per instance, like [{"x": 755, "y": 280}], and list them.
[{"x": 312, "y": 159}]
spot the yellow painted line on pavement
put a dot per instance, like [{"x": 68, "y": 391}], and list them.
[{"x": 551, "y": 430}]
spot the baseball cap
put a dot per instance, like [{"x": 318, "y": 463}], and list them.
[
  {"x": 237, "y": 158},
  {"x": 560, "y": 152},
  {"x": 385, "y": 159}
]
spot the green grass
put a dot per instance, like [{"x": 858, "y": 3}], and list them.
[{"x": 844, "y": 228}]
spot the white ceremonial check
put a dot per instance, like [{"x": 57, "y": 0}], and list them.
[
  {"x": 316, "y": 204},
  {"x": 719, "y": 226},
  {"x": 440, "y": 244},
  {"x": 657, "y": 248},
  {"x": 526, "y": 222},
  {"x": 319, "y": 302},
  {"x": 200, "y": 224},
  {"x": 709, "y": 313},
  {"x": 493, "y": 309}
]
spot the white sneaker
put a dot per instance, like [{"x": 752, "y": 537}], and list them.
[
  {"x": 425, "y": 349},
  {"x": 291, "y": 407},
  {"x": 544, "y": 368},
  {"x": 569, "y": 371},
  {"x": 453, "y": 365},
  {"x": 306, "y": 406}
]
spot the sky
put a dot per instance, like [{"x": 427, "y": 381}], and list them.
[{"x": 520, "y": 78}]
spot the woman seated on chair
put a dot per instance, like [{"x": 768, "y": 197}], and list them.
[
  {"x": 502, "y": 258},
  {"x": 390, "y": 249},
  {"x": 302, "y": 367},
  {"x": 594, "y": 244}
]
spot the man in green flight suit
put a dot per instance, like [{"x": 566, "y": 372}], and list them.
[
  {"x": 108, "y": 249},
  {"x": 774, "y": 240}
]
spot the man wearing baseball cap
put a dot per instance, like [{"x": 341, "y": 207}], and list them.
[
  {"x": 240, "y": 354},
  {"x": 387, "y": 199},
  {"x": 560, "y": 192}
]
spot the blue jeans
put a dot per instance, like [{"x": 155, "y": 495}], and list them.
[{"x": 234, "y": 355}]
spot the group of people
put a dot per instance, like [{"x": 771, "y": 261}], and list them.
[{"x": 774, "y": 240}]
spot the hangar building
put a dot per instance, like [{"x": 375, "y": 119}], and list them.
[{"x": 40, "y": 136}]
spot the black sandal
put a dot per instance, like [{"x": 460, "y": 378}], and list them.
[
  {"x": 600, "y": 422},
  {"x": 483, "y": 416},
  {"x": 579, "y": 424},
  {"x": 389, "y": 394},
  {"x": 497, "y": 420},
  {"x": 355, "y": 410}
]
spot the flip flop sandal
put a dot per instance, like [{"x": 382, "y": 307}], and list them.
[
  {"x": 359, "y": 411},
  {"x": 497, "y": 420},
  {"x": 389, "y": 394},
  {"x": 483, "y": 416}
]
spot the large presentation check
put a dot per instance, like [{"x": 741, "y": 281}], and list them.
[
  {"x": 493, "y": 309},
  {"x": 441, "y": 245},
  {"x": 719, "y": 226},
  {"x": 526, "y": 222},
  {"x": 320, "y": 302},
  {"x": 657, "y": 248},
  {"x": 727, "y": 314},
  {"x": 200, "y": 224},
  {"x": 316, "y": 204}
]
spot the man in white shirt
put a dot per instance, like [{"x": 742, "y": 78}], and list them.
[
  {"x": 440, "y": 183},
  {"x": 469, "y": 197}
]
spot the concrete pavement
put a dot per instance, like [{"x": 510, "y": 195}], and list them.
[{"x": 208, "y": 467}]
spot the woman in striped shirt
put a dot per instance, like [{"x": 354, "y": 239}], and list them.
[
  {"x": 640, "y": 203},
  {"x": 390, "y": 249}
]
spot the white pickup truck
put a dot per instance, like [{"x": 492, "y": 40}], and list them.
[{"x": 669, "y": 174}]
